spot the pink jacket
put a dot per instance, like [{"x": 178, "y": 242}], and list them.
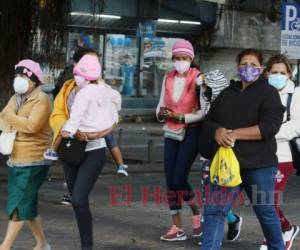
[{"x": 95, "y": 108}]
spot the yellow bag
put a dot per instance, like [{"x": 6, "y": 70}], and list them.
[{"x": 225, "y": 168}]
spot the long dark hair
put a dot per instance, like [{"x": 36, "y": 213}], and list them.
[{"x": 255, "y": 52}]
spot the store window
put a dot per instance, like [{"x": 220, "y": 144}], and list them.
[
  {"x": 121, "y": 54},
  {"x": 121, "y": 57},
  {"x": 157, "y": 61},
  {"x": 94, "y": 41}
]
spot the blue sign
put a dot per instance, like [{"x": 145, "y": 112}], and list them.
[
  {"x": 290, "y": 29},
  {"x": 146, "y": 29}
]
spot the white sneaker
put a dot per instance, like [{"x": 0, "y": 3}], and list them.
[
  {"x": 174, "y": 234},
  {"x": 289, "y": 237},
  {"x": 51, "y": 155},
  {"x": 263, "y": 246},
  {"x": 47, "y": 247},
  {"x": 122, "y": 170}
]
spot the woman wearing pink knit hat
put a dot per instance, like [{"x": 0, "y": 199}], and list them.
[
  {"x": 180, "y": 110},
  {"x": 26, "y": 115}
]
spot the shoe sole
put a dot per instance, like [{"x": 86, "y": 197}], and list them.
[
  {"x": 294, "y": 236},
  {"x": 174, "y": 239},
  {"x": 197, "y": 235},
  {"x": 122, "y": 173},
  {"x": 240, "y": 227},
  {"x": 66, "y": 203}
]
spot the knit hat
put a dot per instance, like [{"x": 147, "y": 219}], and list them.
[
  {"x": 217, "y": 81},
  {"x": 88, "y": 67},
  {"x": 30, "y": 69},
  {"x": 183, "y": 47}
]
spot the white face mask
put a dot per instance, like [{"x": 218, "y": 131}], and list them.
[
  {"x": 21, "y": 85},
  {"x": 182, "y": 66},
  {"x": 80, "y": 81}
]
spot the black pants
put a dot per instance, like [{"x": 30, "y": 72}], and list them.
[
  {"x": 178, "y": 160},
  {"x": 81, "y": 180}
]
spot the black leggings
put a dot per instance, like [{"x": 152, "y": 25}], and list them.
[
  {"x": 81, "y": 180},
  {"x": 178, "y": 159}
]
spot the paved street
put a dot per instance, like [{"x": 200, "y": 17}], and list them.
[{"x": 132, "y": 224}]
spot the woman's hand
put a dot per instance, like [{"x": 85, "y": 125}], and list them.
[
  {"x": 64, "y": 134},
  {"x": 168, "y": 114},
  {"x": 81, "y": 136},
  {"x": 93, "y": 135},
  {"x": 161, "y": 113},
  {"x": 101, "y": 134},
  {"x": 223, "y": 137}
]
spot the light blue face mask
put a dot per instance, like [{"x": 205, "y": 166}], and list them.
[{"x": 278, "y": 80}]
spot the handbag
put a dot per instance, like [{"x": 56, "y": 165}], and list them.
[
  {"x": 72, "y": 151},
  {"x": 177, "y": 135},
  {"x": 7, "y": 140},
  {"x": 295, "y": 142}
]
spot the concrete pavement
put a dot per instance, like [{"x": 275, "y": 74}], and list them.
[{"x": 126, "y": 222}]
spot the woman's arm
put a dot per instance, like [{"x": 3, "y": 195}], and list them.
[
  {"x": 291, "y": 128},
  {"x": 37, "y": 118},
  {"x": 83, "y": 136},
  {"x": 78, "y": 109},
  {"x": 11, "y": 107},
  {"x": 58, "y": 116},
  {"x": 200, "y": 113},
  {"x": 161, "y": 103},
  {"x": 249, "y": 134},
  {"x": 270, "y": 116}
]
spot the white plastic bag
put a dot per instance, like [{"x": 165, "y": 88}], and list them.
[
  {"x": 177, "y": 135},
  {"x": 7, "y": 140}
]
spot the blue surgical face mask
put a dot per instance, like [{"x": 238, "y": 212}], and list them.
[{"x": 278, "y": 80}]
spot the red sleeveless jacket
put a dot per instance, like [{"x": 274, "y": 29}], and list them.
[{"x": 188, "y": 100}]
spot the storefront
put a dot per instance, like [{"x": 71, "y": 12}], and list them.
[{"x": 135, "y": 39}]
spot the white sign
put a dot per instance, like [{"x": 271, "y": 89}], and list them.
[{"x": 290, "y": 30}]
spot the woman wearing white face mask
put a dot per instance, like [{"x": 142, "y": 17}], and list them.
[
  {"x": 279, "y": 72},
  {"x": 180, "y": 110},
  {"x": 27, "y": 113}
]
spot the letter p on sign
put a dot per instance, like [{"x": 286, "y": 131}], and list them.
[{"x": 291, "y": 15}]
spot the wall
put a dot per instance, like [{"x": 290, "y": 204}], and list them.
[
  {"x": 224, "y": 60},
  {"x": 239, "y": 30}
]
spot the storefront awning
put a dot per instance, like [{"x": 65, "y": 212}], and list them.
[{"x": 172, "y": 18}]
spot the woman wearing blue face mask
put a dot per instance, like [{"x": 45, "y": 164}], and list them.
[
  {"x": 246, "y": 116},
  {"x": 279, "y": 72}
]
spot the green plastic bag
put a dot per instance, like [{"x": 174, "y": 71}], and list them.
[{"x": 225, "y": 168}]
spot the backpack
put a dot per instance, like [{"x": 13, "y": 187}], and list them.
[{"x": 295, "y": 142}]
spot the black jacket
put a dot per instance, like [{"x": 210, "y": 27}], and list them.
[{"x": 258, "y": 104}]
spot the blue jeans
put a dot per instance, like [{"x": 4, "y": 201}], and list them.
[{"x": 259, "y": 186}]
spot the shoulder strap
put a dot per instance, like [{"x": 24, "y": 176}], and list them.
[{"x": 288, "y": 106}]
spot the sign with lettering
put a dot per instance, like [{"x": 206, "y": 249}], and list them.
[{"x": 290, "y": 29}]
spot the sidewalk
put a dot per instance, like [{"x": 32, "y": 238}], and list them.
[{"x": 137, "y": 225}]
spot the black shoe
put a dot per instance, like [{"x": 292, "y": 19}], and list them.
[
  {"x": 66, "y": 200},
  {"x": 234, "y": 229}
]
